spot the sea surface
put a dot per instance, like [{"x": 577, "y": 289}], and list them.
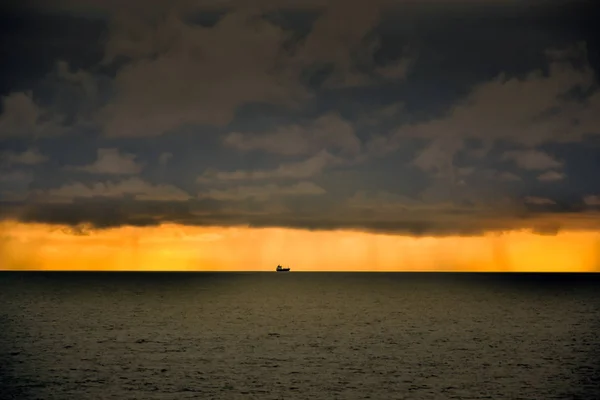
[{"x": 299, "y": 336}]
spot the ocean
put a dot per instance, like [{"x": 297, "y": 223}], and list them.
[{"x": 299, "y": 336}]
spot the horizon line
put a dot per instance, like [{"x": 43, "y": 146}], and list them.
[{"x": 303, "y": 271}]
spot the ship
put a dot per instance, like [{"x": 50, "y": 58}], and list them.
[{"x": 281, "y": 269}]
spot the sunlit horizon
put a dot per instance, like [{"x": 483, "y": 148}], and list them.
[{"x": 171, "y": 247}]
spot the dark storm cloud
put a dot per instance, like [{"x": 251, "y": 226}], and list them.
[
  {"x": 431, "y": 117},
  {"x": 426, "y": 221}
]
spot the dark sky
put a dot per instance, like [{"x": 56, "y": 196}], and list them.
[{"x": 428, "y": 117}]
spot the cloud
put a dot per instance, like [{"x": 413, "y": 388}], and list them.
[
  {"x": 16, "y": 176},
  {"x": 107, "y": 205},
  {"x": 111, "y": 161},
  {"x": 134, "y": 187},
  {"x": 80, "y": 77},
  {"x": 280, "y": 64},
  {"x": 78, "y": 230},
  {"x": 293, "y": 170},
  {"x": 78, "y": 93},
  {"x": 14, "y": 185},
  {"x": 488, "y": 174},
  {"x": 540, "y": 201},
  {"x": 528, "y": 111},
  {"x": 19, "y": 115},
  {"x": 438, "y": 157},
  {"x": 326, "y": 132},
  {"x": 533, "y": 110},
  {"x": 383, "y": 202},
  {"x": 592, "y": 200},
  {"x": 397, "y": 70},
  {"x": 23, "y": 117},
  {"x": 199, "y": 75},
  {"x": 377, "y": 116},
  {"x": 551, "y": 176},
  {"x": 532, "y": 159},
  {"x": 343, "y": 45},
  {"x": 28, "y": 157},
  {"x": 263, "y": 193},
  {"x": 508, "y": 177},
  {"x": 164, "y": 158}
]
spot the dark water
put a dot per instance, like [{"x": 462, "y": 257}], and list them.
[{"x": 299, "y": 335}]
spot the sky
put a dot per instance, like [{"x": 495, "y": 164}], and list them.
[{"x": 327, "y": 135}]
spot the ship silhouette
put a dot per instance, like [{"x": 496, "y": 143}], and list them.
[{"x": 281, "y": 269}]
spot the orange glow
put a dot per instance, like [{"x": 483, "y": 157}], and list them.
[{"x": 176, "y": 247}]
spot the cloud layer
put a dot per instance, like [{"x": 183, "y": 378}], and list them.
[{"x": 437, "y": 117}]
